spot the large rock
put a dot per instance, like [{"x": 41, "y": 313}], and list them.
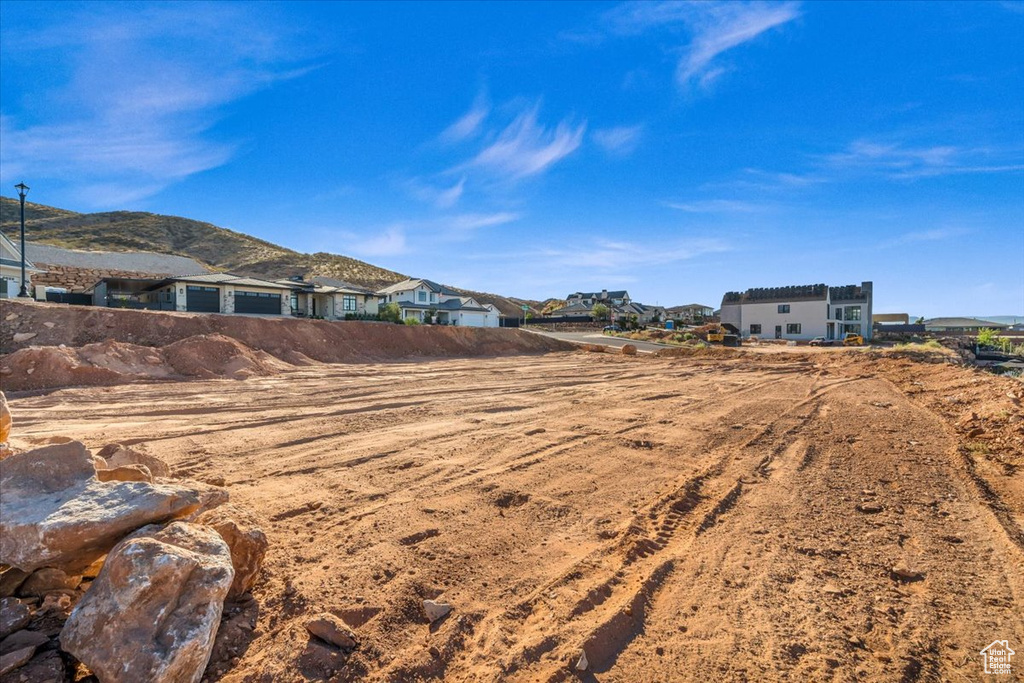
[
  {"x": 14, "y": 614},
  {"x": 46, "y": 580},
  {"x": 117, "y": 455},
  {"x": 241, "y": 531},
  {"x": 152, "y": 613},
  {"x": 54, "y": 512}
]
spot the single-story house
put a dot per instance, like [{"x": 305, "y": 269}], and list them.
[
  {"x": 213, "y": 293},
  {"x": 961, "y": 325},
  {"x": 419, "y": 299},
  {"x": 329, "y": 298},
  {"x": 800, "y": 312},
  {"x": 10, "y": 269},
  {"x": 890, "y": 319}
]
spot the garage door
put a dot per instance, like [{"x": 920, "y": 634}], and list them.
[
  {"x": 202, "y": 299},
  {"x": 257, "y": 302}
]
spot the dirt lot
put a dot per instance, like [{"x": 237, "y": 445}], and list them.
[{"x": 712, "y": 517}]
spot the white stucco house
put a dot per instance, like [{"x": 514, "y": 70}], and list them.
[
  {"x": 800, "y": 312},
  {"x": 419, "y": 298},
  {"x": 10, "y": 269}
]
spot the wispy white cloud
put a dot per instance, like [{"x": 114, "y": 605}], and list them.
[
  {"x": 525, "y": 147},
  {"x": 713, "y": 29},
  {"x": 145, "y": 87},
  {"x": 472, "y": 221},
  {"x": 897, "y": 160},
  {"x": 923, "y": 236},
  {"x": 469, "y": 124},
  {"x": 398, "y": 238},
  {"x": 620, "y": 140},
  {"x": 391, "y": 241},
  {"x": 607, "y": 254},
  {"x": 440, "y": 197},
  {"x": 716, "y": 206}
]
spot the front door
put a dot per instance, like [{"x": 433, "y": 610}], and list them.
[{"x": 778, "y": 331}]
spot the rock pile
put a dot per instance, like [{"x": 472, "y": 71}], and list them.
[{"x": 110, "y": 567}]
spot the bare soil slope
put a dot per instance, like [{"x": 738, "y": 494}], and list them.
[
  {"x": 68, "y": 346},
  {"x": 742, "y": 517}
]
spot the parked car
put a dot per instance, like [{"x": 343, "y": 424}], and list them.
[
  {"x": 821, "y": 341},
  {"x": 612, "y": 328}
]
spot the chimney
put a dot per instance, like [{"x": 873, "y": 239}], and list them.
[{"x": 604, "y": 294}]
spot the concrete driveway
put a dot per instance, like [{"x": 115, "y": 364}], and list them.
[{"x": 596, "y": 337}]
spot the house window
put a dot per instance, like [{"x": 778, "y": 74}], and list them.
[
  {"x": 783, "y": 308},
  {"x": 839, "y": 312},
  {"x": 755, "y": 329},
  {"x": 853, "y": 312},
  {"x": 348, "y": 303},
  {"x": 422, "y": 296},
  {"x": 793, "y": 328}
]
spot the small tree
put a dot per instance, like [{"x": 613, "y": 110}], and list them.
[
  {"x": 529, "y": 315},
  {"x": 412, "y": 321},
  {"x": 600, "y": 312},
  {"x": 987, "y": 337},
  {"x": 391, "y": 313}
]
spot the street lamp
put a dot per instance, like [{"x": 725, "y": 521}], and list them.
[{"x": 22, "y": 189}]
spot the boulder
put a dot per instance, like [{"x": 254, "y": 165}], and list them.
[
  {"x": 241, "y": 531},
  {"x": 628, "y": 350},
  {"x": 5, "y": 419},
  {"x": 10, "y": 579},
  {"x": 117, "y": 455},
  {"x": 54, "y": 512},
  {"x": 43, "y": 581},
  {"x": 22, "y": 639},
  {"x": 125, "y": 473},
  {"x": 333, "y": 630},
  {"x": 13, "y": 660},
  {"x": 14, "y": 615},
  {"x": 153, "y": 612}
]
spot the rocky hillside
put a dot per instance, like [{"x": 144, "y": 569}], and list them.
[{"x": 217, "y": 247}]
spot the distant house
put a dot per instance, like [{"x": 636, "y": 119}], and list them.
[
  {"x": 10, "y": 269},
  {"x": 324, "y": 297},
  {"x": 618, "y": 302},
  {"x": 800, "y": 312},
  {"x": 419, "y": 299},
  {"x": 212, "y": 293},
  {"x": 961, "y": 325},
  {"x": 692, "y": 313}
]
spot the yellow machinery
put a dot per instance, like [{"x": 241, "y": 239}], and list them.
[{"x": 853, "y": 339}]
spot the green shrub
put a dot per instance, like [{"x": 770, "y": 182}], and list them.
[
  {"x": 412, "y": 321},
  {"x": 391, "y": 313}
]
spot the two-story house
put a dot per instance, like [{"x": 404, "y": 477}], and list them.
[
  {"x": 800, "y": 312},
  {"x": 419, "y": 299}
]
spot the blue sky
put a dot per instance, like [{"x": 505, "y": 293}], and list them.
[{"x": 675, "y": 150}]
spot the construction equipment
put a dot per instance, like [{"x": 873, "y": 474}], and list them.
[
  {"x": 726, "y": 335},
  {"x": 853, "y": 339}
]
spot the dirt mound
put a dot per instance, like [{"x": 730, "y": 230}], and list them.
[
  {"x": 214, "y": 355},
  {"x": 292, "y": 340},
  {"x": 52, "y": 366},
  {"x": 112, "y": 362}
]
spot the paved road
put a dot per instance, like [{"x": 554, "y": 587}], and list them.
[{"x": 595, "y": 337}]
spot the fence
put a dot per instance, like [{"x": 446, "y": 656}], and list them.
[{"x": 73, "y": 298}]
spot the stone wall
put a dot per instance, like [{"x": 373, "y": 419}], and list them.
[{"x": 79, "y": 279}]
